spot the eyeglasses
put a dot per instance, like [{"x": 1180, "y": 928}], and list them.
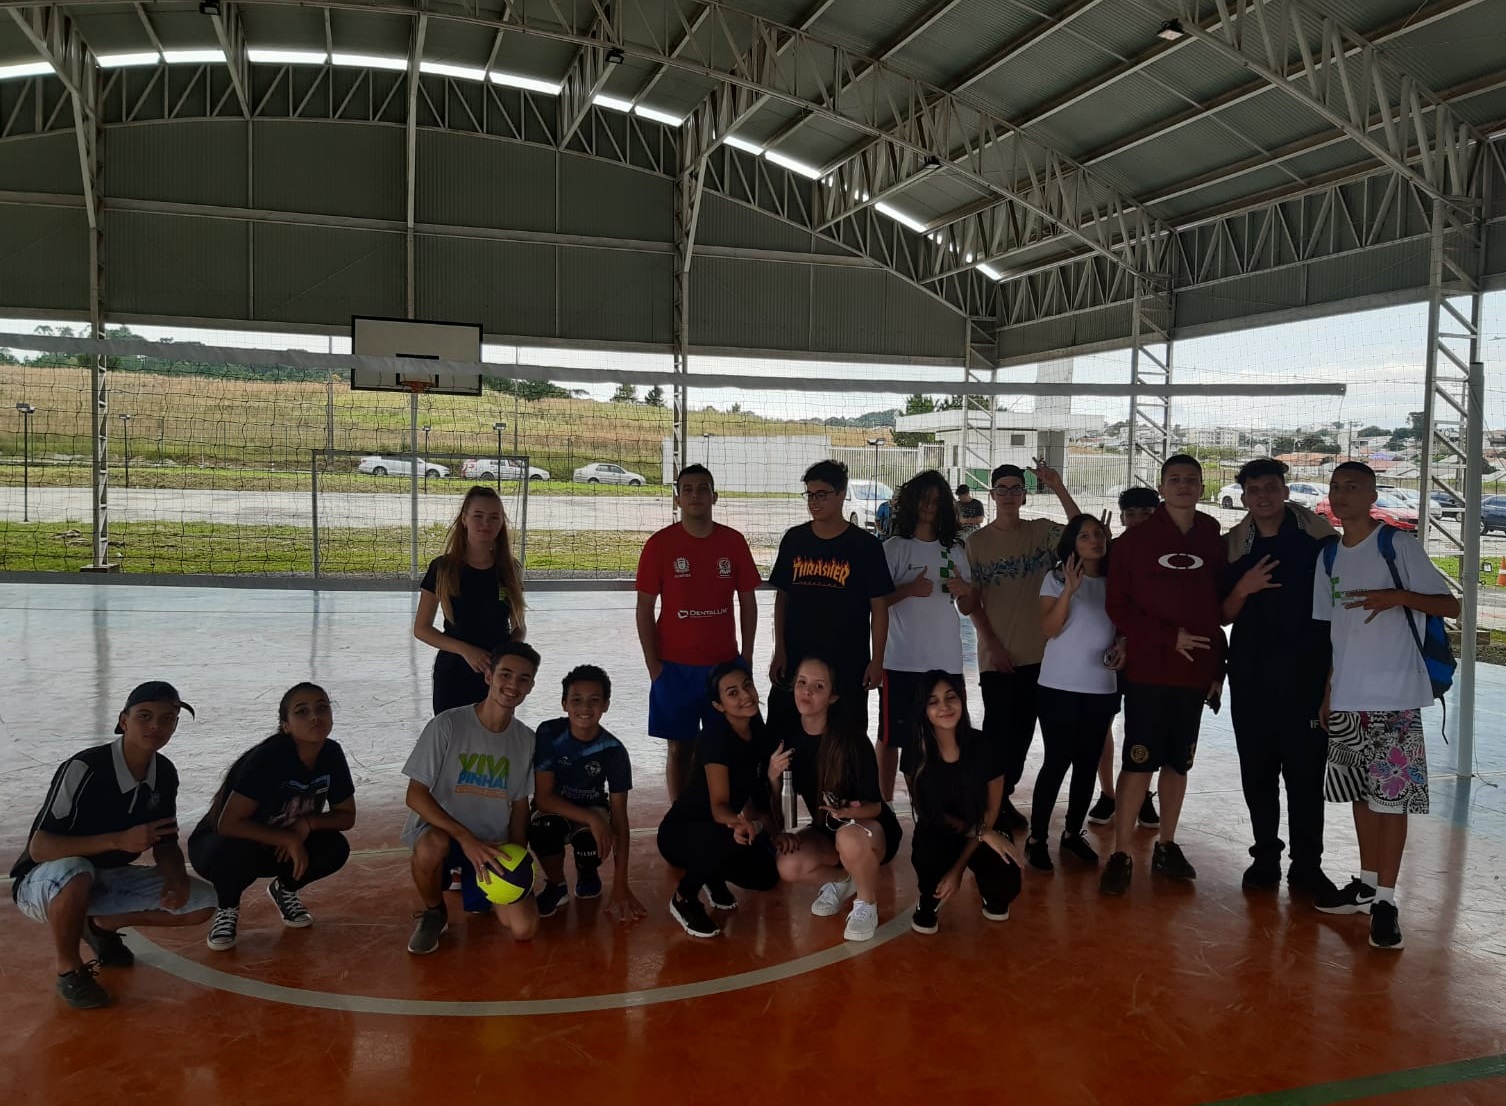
[
  {"x": 818, "y": 497},
  {"x": 1007, "y": 491}
]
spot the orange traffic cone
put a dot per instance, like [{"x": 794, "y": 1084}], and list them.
[{"x": 1501, "y": 575}]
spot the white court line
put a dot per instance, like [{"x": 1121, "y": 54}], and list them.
[{"x": 191, "y": 971}]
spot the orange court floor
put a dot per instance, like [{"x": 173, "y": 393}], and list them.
[{"x": 1176, "y": 994}]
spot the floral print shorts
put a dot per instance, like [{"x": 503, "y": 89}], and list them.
[{"x": 1377, "y": 757}]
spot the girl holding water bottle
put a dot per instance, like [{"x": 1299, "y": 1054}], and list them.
[
  {"x": 852, "y": 832},
  {"x": 932, "y": 587}
]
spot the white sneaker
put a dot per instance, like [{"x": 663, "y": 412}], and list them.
[
  {"x": 222, "y": 933},
  {"x": 831, "y": 898},
  {"x": 862, "y": 922}
]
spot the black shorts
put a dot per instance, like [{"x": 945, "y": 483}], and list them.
[
  {"x": 888, "y": 821},
  {"x": 1161, "y": 726},
  {"x": 899, "y": 700}
]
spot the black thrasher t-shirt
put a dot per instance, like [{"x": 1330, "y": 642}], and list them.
[{"x": 829, "y": 583}]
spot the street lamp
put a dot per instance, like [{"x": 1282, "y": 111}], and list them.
[
  {"x": 499, "y": 427},
  {"x": 27, "y": 410},
  {"x": 706, "y": 437},
  {"x": 426, "y": 459},
  {"x": 125, "y": 430},
  {"x": 875, "y": 443}
]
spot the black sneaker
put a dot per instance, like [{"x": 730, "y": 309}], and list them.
[
  {"x": 289, "y": 905},
  {"x": 1148, "y": 818},
  {"x": 1116, "y": 874},
  {"x": 1010, "y": 819},
  {"x": 1076, "y": 845},
  {"x": 1385, "y": 926},
  {"x": 692, "y": 916},
  {"x": 1355, "y": 897},
  {"x": 433, "y": 923},
  {"x": 720, "y": 895},
  {"x": 551, "y": 897},
  {"x": 1167, "y": 859},
  {"x": 108, "y": 947},
  {"x": 1264, "y": 874},
  {"x": 924, "y": 919},
  {"x": 1037, "y": 855},
  {"x": 1309, "y": 879},
  {"x": 1102, "y": 812},
  {"x": 81, "y": 990}
]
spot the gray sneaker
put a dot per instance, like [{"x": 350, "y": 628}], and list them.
[
  {"x": 432, "y": 924},
  {"x": 81, "y": 990}
]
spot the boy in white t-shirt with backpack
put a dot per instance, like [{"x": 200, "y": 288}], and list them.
[{"x": 1378, "y": 686}]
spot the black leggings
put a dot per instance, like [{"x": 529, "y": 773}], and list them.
[
  {"x": 934, "y": 849},
  {"x": 233, "y": 864},
  {"x": 1073, "y": 728},
  {"x": 707, "y": 852}
]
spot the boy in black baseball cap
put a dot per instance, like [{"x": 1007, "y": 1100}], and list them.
[{"x": 106, "y": 806}]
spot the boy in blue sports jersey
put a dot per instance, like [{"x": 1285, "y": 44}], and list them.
[{"x": 581, "y": 779}]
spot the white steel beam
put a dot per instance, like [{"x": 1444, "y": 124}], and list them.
[
  {"x": 231, "y": 33},
  {"x": 415, "y": 56},
  {"x": 588, "y": 72}
]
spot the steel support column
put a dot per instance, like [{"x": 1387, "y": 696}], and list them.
[
  {"x": 1150, "y": 376},
  {"x": 980, "y": 413},
  {"x": 1453, "y": 424},
  {"x": 415, "y": 56}
]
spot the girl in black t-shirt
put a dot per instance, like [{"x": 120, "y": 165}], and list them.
[
  {"x": 958, "y": 789},
  {"x": 717, "y": 829},
  {"x": 853, "y": 832},
  {"x": 478, "y": 586},
  {"x": 278, "y": 814}
]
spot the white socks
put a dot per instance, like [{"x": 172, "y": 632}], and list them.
[
  {"x": 1369, "y": 879},
  {"x": 1386, "y": 894}
]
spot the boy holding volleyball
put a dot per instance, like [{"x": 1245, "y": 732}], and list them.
[{"x": 469, "y": 780}]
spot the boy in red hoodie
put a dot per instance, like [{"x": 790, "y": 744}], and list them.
[{"x": 1163, "y": 595}]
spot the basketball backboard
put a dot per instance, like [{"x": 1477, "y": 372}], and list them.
[{"x": 372, "y": 336}]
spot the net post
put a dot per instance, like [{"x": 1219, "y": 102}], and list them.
[
  {"x": 314, "y": 504},
  {"x": 523, "y": 521},
  {"x": 415, "y": 389}
]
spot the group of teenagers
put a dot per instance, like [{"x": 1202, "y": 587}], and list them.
[{"x": 1326, "y": 680}]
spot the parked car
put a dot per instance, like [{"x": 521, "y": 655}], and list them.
[
  {"x": 1446, "y": 505},
  {"x": 485, "y": 468},
  {"x": 863, "y": 499},
  {"x": 1387, "y": 508},
  {"x": 1493, "y": 514},
  {"x": 378, "y": 465},
  {"x": 1299, "y": 492},
  {"x": 600, "y": 472}
]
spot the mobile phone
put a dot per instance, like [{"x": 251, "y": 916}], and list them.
[{"x": 830, "y": 799}]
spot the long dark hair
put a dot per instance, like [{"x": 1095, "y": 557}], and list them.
[
  {"x": 1068, "y": 544},
  {"x": 907, "y": 511},
  {"x": 841, "y": 743},
  {"x": 927, "y": 802},
  {"x": 217, "y": 807}
]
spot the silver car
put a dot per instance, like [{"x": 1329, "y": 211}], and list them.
[
  {"x": 380, "y": 465},
  {"x": 600, "y": 472}
]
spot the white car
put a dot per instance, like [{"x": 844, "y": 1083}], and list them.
[
  {"x": 1301, "y": 493},
  {"x": 484, "y": 468},
  {"x": 378, "y": 465},
  {"x": 600, "y": 472},
  {"x": 863, "y": 499}
]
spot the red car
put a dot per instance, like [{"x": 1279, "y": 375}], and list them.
[{"x": 1387, "y": 509}]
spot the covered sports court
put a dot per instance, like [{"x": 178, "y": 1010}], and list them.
[{"x": 910, "y": 195}]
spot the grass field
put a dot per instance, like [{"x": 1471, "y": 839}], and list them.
[
  {"x": 210, "y": 422},
  {"x": 208, "y": 548}
]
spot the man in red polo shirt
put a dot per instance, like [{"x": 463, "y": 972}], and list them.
[
  {"x": 1163, "y": 595},
  {"x": 696, "y": 567}
]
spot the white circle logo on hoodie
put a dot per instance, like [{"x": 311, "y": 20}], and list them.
[{"x": 1187, "y": 562}]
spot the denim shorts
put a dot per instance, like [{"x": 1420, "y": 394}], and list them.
[{"x": 127, "y": 890}]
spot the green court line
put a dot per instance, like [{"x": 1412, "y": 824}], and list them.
[{"x": 1369, "y": 1086}]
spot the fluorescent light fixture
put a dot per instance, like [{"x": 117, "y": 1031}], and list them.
[
  {"x": 602, "y": 100},
  {"x": 989, "y": 271},
  {"x": 1171, "y": 30},
  {"x": 742, "y": 144},
  {"x": 461, "y": 72},
  {"x": 121, "y": 61},
  {"x": 530, "y": 84},
  {"x": 286, "y": 57},
  {"x": 659, "y": 116},
  {"x": 900, "y": 217},
  {"x": 26, "y": 69},
  {"x": 369, "y": 61},
  {"x": 793, "y": 166},
  {"x": 192, "y": 57}
]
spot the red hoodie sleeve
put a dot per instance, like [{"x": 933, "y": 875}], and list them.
[{"x": 1141, "y": 627}]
